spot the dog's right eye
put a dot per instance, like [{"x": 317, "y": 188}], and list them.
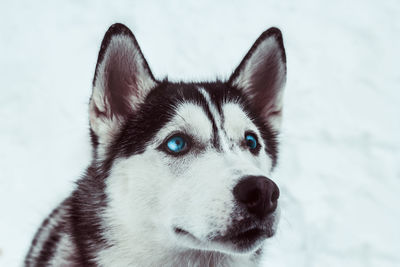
[{"x": 176, "y": 144}]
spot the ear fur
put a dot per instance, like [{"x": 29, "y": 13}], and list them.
[
  {"x": 261, "y": 76},
  {"x": 121, "y": 82}
]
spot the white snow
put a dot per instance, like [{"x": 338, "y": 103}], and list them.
[{"x": 339, "y": 169}]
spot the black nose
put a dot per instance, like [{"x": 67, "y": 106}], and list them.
[{"x": 258, "y": 194}]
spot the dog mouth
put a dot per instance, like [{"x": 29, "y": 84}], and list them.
[
  {"x": 246, "y": 238},
  {"x": 242, "y": 237}
]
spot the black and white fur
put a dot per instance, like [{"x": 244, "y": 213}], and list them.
[{"x": 138, "y": 204}]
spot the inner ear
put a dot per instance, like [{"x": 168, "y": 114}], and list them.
[
  {"x": 121, "y": 82},
  {"x": 261, "y": 76},
  {"x": 122, "y": 73}
]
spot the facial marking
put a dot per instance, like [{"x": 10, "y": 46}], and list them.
[{"x": 218, "y": 118}]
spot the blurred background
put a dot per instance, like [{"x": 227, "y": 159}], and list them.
[{"x": 339, "y": 169}]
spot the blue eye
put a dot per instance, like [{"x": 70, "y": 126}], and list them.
[
  {"x": 176, "y": 144},
  {"x": 251, "y": 141}
]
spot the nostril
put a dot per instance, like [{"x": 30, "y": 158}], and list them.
[{"x": 275, "y": 195}]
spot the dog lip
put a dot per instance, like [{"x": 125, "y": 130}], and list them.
[
  {"x": 252, "y": 235},
  {"x": 248, "y": 234},
  {"x": 181, "y": 232},
  {"x": 245, "y": 239}
]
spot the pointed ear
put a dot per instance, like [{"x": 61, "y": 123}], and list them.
[
  {"x": 261, "y": 76},
  {"x": 122, "y": 81}
]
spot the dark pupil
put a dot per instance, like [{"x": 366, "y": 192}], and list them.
[{"x": 178, "y": 142}]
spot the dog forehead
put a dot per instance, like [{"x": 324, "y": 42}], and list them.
[{"x": 190, "y": 118}]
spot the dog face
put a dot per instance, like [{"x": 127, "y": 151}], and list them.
[{"x": 188, "y": 164}]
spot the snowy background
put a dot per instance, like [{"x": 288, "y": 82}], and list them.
[{"x": 339, "y": 169}]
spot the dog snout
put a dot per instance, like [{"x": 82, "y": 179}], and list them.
[{"x": 257, "y": 194}]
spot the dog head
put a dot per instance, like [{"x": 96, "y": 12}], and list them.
[{"x": 188, "y": 164}]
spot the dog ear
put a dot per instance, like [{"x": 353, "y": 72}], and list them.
[
  {"x": 261, "y": 76},
  {"x": 121, "y": 82}
]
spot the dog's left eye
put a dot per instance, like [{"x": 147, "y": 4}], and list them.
[
  {"x": 251, "y": 141},
  {"x": 176, "y": 144}
]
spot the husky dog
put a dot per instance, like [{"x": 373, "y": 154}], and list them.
[{"x": 181, "y": 172}]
